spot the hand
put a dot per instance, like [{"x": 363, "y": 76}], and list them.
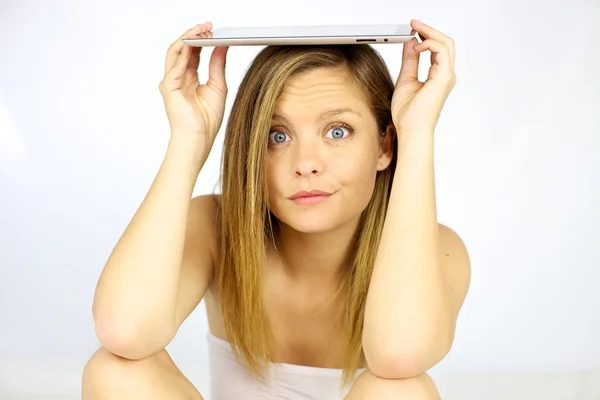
[
  {"x": 416, "y": 106},
  {"x": 194, "y": 110}
]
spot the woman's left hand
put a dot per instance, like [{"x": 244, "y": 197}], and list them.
[{"x": 416, "y": 106}]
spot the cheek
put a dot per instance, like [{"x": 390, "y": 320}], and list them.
[
  {"x": 359, "y": 177},
  {"x": 359, "y": 166},
  {"x": 359, "y": 180},
  {"x": 275, "y": 178},
  {"x": 277, "y": 190}
]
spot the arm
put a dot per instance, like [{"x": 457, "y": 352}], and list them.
[
  {"x": 161, "y": 266},
  {"x": 422, "y": 270},
  {"x": 420, "y": 277}
]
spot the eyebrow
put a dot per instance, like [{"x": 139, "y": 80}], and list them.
[{"x": 324, "y": 115}]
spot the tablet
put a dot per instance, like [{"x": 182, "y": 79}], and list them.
[{"x": 304, "y": 35}]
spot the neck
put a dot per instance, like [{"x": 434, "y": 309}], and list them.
[{"x": 316, "y": 257}]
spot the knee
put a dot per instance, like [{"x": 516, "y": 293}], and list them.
[
  {"x": 368, "y": 386},
  {"x": 102, "y": 368},
  {"x": 108, "y": 376},
  {"x": 418, "y": 387},
  {"x": 107, "y": 372}
]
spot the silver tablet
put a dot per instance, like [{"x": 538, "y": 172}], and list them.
[{"x": 295, "y": 35}]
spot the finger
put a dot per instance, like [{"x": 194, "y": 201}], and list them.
[
  {"x": 177, "y": 71},
  {"x": 409, "y": 70},
  {"x": 440, "y": 50},
  {"x": 191, "y": 71},
  {"x": 176, "y": 47},
  {"x": 427, "y": 32},
  {"x": 216, "y": 69},
  {"x": 182, "y": 63}
]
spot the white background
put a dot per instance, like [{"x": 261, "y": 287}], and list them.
[{"x": 83, "y": 132}]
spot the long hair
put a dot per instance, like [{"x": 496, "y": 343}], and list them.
[{"x": 245, "y": 222}]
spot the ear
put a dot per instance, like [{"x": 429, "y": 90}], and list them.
[{"x": 386, "y": 147}]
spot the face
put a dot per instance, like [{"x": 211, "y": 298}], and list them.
[{"x": 313, "y": 147}]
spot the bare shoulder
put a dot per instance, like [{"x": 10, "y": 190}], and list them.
[
  {"x": 456, "y": 265},
  {"x": 199, "y": 254},
  {"x": 201, "y": 233},
  {"x": 449, "y": 238},
  {"x": 203, "y": 209},
  {"x": 453, "y": 249}
]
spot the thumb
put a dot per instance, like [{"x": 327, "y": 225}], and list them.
[
  {"x": 410, "y": 63},
  {"x": 216, "y": 68}
]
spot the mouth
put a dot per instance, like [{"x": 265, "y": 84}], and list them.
[{"x": 310, "y": 197}]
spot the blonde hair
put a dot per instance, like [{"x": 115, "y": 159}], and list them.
[{"x": 245, "y": 223}]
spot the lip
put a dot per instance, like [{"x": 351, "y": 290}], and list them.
[{"x": 309, "y": 193}]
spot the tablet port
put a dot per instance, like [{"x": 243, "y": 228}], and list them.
[{"x": 365, "y": 40}]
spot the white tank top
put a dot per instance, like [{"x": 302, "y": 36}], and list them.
[{"x": 231, "y": 380}]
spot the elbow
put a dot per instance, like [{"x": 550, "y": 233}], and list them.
[
  {"x": 127, "y": 341},
  {"x": 391, "y": 362},
  {"x": 397, "y": 366}
]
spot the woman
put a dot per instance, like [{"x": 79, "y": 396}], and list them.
[{"x": 324, "y": 270}]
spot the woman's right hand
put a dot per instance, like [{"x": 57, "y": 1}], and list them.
[{"x": 194, "y": 110}]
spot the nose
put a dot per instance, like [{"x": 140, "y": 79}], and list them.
[{"x": 307, "y": 159}]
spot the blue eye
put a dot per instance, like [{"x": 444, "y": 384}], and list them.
[
  {"x": 278, "y": 136},
  {"x": 338, "y": 132}
]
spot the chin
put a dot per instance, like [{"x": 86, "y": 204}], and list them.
[
  {"x": 309, "y": 225},
  {"x": 306, "y": 219}
]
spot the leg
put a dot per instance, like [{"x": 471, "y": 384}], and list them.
[
  {"x": 108, "y": 377},
  {"x": 370, "y": 387}
]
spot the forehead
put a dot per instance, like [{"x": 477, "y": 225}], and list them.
[{"x": 319, "y": 88}]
